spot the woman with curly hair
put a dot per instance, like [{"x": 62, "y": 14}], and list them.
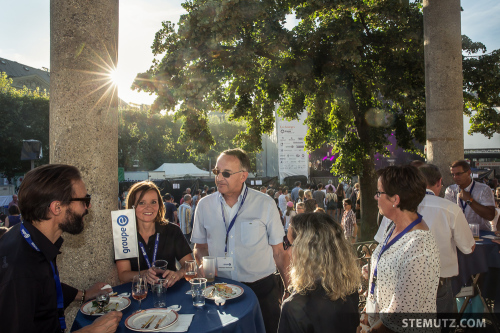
[
  {"x": 157, "y": 238},
  {"x": 324, "y": 277}
]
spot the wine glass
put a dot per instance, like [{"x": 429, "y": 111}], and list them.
[
  {"x": 190, "y": 271},
  {"x": 139, "y": 289}
]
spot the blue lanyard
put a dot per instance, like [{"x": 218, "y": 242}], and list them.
[
  {"x": 386, "y": 246},
  {"x": 228, "y": 229},
  {"x": 154, "y": 253},
  {"x": 60, "y": 298},
  {"x": 462, "y": 203},
  {"x": 429, "y": 192}
]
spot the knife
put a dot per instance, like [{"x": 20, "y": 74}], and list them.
[
  {"x": 148, "y": 322},
  {"x": 147, "y": 326},
  {"x": 159, "y": 321}
]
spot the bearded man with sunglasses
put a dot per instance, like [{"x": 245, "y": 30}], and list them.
[
  {"x": 52, "y": 199},
  {"x": 242, "y": 228}
]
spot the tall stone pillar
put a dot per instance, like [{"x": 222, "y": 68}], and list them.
[
  {"x": 84, "y": 129},
  {"x": 443, "y": 84}
]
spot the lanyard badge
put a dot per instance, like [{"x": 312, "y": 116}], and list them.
[
  {"x": 145, "y": 255},
  {"x": 60, "y": 298},
  {"x": 463, "y": 204},
  {"x": 385, "y": 247},
  {"x": 228, "y": 229}
]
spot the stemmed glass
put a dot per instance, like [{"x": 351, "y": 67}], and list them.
[
  {"x": 190, "y": 271},
  {"x": 139, "y": 289}
]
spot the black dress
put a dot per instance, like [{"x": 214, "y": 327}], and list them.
[
  {"x": 340, "y": 198},
  {"x": 315, "y": 312},
  {"x": 172, "y": 245}
]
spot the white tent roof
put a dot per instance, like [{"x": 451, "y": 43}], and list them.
[{"x": 179, "y": 170}]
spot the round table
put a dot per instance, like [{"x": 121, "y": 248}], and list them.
[
  {"x": 484, "y": 260},
  {"x": 240, "y": 315}
]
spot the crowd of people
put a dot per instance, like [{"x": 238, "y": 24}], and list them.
[{"x": 298, "y": 241}]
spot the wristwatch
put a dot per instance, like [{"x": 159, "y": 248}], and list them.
[{"x": 470, "y": 201}]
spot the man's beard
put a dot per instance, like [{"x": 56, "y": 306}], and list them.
[{"x": 74, "y": 222}]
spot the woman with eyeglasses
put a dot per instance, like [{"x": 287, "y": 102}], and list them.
[
  {"x": 324, "y": 277},
  {"x": 158, "y": 239},
  {"x": 405, "y": 266}
]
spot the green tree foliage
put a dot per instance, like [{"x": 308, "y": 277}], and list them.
[
  {"x": 356, "y": 67},
  {"x": 154, "y": 139},
  {"x": 482, "y": 88},
  {"x": 25, "y": 116}
]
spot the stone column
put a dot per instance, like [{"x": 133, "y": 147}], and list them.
[
  {"x": 84, "y": 129},
  {"x": 443, "y": 84}
]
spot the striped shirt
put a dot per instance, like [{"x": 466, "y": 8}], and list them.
[
  {"x": 184, "y": 215},
  {"x": 348, "y": 223}
]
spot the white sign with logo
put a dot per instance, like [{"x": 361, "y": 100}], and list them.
[
  {"x": 293, "y": 159},
  {"x": 124, "y": 234}
]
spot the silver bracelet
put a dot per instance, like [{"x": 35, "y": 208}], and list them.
[{"x": 83, "y": 297}]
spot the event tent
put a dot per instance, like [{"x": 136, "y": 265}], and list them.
[{"x": 179, "y": 170}]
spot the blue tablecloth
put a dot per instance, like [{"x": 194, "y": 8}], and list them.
[
  {"x": 484, "y": 259},
  {"x": 240, "y": 315}
]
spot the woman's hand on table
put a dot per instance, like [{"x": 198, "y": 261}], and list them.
[
  {"x": 151, "y": 276},
  {"x": 172, "y": 277}
]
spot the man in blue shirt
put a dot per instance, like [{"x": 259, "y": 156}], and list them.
[
  {"x": 170, "y": 209},
  {"x": 295, "y": 191}
]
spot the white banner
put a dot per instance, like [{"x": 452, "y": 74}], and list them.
[
  {"x": 124, "y": 234},
  {"x": 293, "y": 159}
]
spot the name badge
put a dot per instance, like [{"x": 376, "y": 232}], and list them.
[{"x": 225, "y": 264}]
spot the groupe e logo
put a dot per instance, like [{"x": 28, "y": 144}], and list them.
[{"x": 122, "y": 220}]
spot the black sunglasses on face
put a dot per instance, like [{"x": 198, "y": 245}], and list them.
[
  {"x": 286, "y": 243},
  {"x": 86, "y": 200},
  {"x": 225, "y": 174}
]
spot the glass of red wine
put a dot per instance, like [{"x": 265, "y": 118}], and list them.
[{"x": 139, "y": 288}]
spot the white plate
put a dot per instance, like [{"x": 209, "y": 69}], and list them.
[
  {"x": 135, "y": 321},
  {"x": 237, "y": 292},
  {"x": 123, "y": 303}
]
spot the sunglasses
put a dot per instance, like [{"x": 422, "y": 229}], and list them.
[
  {"x": 286, "y": 243},
  {"x": 225, "y": 174},
  {"x": 378, "y": 194},
  {"x": 86, "y": 200}
]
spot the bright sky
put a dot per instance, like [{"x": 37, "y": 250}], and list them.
[{"x": 25, "y": 35}]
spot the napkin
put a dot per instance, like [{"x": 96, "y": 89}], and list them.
[
  {"x": 219, "y": 300},
  {"x": 182, "y": 324},
  {"x": 489, "y": 236}
]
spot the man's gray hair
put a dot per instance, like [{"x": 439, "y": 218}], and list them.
[{"x": 241, "y": 155}]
